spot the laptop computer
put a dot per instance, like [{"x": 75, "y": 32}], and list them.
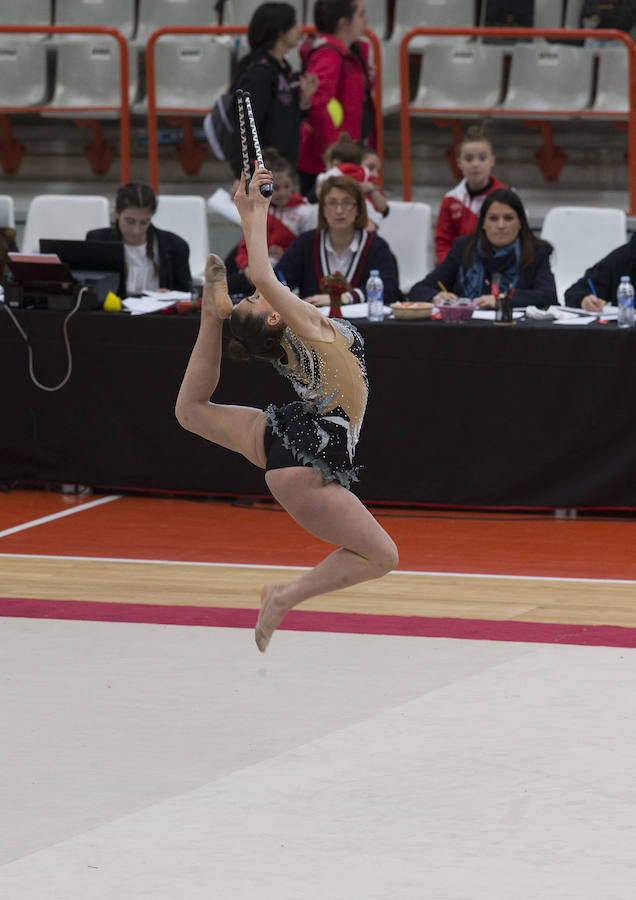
[{"x": 89, "y": 260}]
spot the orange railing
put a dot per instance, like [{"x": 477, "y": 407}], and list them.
[
  {"x": 560, "y": 34},
  {"x": 151, "y": 92},
  {"x": 123, "y": 109}
]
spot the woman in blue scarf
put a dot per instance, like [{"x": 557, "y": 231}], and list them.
[{"x": 501, "y": 256}]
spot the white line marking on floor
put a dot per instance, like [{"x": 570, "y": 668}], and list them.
[
  {"x": 228, "y": 565},
  {"x": 58, "y": 515}
]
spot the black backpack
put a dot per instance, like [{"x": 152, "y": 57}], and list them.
[
  {"x": 620, "y": 14},
  {"x": 219, "y": 126},
  {"x": 519, "y": 14}
]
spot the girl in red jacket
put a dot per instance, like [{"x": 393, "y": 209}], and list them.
[
  {"x": 288, "y": 215},
  {"x": 460, "y": 208},
  {"x": 343, "y": 100}
]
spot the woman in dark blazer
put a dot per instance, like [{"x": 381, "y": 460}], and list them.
[
  {"x": 502, "y": 256},
  {"x": 154, "y": 258},
  {"x": 604, "y": 277}
]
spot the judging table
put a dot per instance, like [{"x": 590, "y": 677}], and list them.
[{"x": 468, "y": 414}]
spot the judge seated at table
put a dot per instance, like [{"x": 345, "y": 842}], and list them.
[
  {"x": 598, "y": 284},
  {"x": 155, "y": 259},
  {"x": 502, "y": 256}
]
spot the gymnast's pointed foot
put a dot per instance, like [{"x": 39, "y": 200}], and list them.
[
  {"x": 269, "y": 618},
  {"x": 215, "y": 294}
]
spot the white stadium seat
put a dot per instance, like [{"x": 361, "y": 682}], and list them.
[
  {"x": 239, "y": 12},
  {"x": 23, "y": 73},
  {"x": 27, "y": 12},
  {"x": 430, "y": 13},
  {"x": 548, "y": 13},
  {"x": 549, "y": 77},
  {"x": 611, "y": 88},
  {"x": 119, "y": 14},
  {"x": 460, "y": 75},
  {"x": 88, "y": 74},
  {"x": 190, "y": 73},
  {"x": 572, "y": 13},
  {"x": 153, "y": 14}
]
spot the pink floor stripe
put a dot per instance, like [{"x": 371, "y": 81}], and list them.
[{"x": 347, "y": 623}]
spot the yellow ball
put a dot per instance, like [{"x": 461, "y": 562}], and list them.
[
  {"x": 334, "y": 108},
  {"x": 112, "y": 303}
]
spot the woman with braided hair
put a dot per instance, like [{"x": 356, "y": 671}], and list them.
[
  {"x": 155, "y": 258},
  {"x": 306, "y": 447}
]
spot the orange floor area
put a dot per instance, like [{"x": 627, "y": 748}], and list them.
[{"x": 154, "y": 528}]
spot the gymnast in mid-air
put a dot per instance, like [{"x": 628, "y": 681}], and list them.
[{"x": 306, "y": 447}]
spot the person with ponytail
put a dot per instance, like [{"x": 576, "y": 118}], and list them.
[
  {"x": 339, "y": 59},
  {"x": 155, "y": 259},
  {"x": 306, "y": 447}
]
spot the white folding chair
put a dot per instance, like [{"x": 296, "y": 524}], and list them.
[
  {"x": 63, "y": 216},
  {"x": 549, "y": 77},
  {"x": 186, "y": 215},
  {"x": 581, "y": 235},
  {"x": 408, "y": 232},
  {"x": 7, "y": 211},
  {"x": 460, "y": 75}
]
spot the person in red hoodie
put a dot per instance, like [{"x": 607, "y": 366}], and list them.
[
  {"x": 343, "y": 99},
  {"x": 460, "y": 208}
]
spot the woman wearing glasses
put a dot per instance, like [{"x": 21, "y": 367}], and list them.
[{"x": 341, "y": 243}]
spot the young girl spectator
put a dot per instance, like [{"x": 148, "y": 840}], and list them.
[
  {"x": 345, "y": 157},
  {"x": 343, "y": 100},
  {"x": 288, "y": 215},
  {"x": 459, "y": 211},
  {"x": 154, "y": 258}
]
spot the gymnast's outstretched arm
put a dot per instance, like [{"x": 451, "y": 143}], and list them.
[{"x": 302, "y": 317}]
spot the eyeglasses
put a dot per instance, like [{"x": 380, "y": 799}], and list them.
[{"x": 343, "y": 204}]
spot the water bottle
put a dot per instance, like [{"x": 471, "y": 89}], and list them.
[
  {"x": 375, "y": 297},
  {"x": 625, "y": 301}
]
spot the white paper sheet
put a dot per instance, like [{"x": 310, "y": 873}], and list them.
[
  {"x": 222, "y": 202},
  {"x": 575, "y": 320},
  {"x": 489, "y": 314},
  {"x": 138, "y": 306},
  {"x": 354, "y": 310}
]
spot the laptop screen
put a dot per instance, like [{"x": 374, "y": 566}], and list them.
[{"x": 88, "y": 256}]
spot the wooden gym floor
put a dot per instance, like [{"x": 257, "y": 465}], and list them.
[
  {"x": 462, "y": 729},
  {"x": 64, "y": 556}
]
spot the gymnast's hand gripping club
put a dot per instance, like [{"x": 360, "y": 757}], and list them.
[{"x": 244, "y": 105}]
